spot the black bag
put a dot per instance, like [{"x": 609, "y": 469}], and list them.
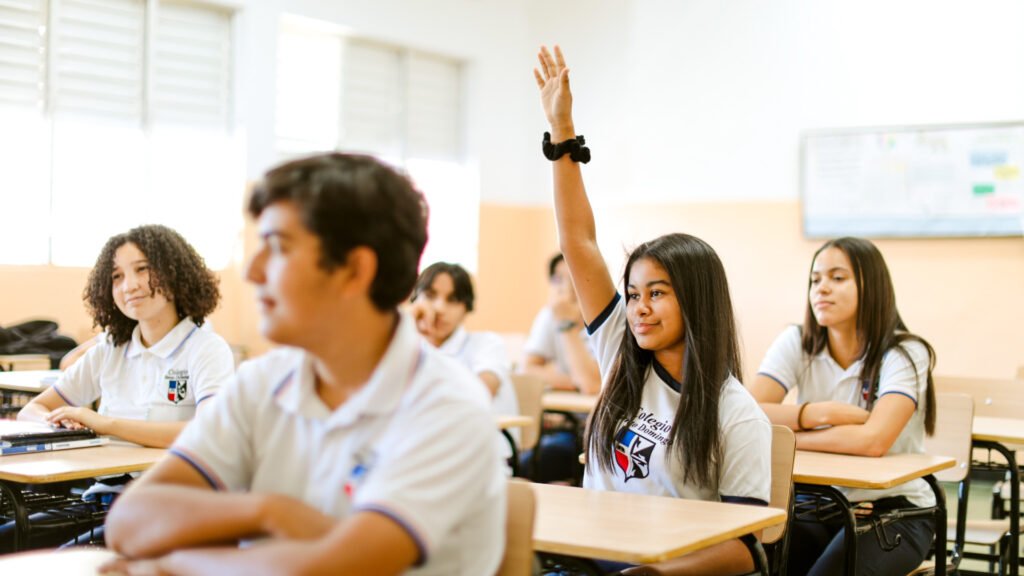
[{"x": 36, "y": 337}]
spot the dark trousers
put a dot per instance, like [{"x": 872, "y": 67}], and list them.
[{"x": 817, "y": 549}]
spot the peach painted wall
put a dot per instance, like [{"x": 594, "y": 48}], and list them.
[{"x": 965, "y": 296}]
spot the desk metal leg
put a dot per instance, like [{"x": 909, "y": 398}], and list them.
[
  {"x": 12, "y": 491},
  {"x": 515, "y": 451},
  {"x": 1011, "y": 462},
  {"x": 940, "y": 526},
  {"x": 849, "y": 520}
]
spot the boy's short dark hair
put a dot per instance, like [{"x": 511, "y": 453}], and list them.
[
  {"x": 463, "y": 284},
  {"x": 553, "y": 263},
  {"x": 351, "y": 200}
]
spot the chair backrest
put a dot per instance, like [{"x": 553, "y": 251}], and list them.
[
  {"x": 518, "y": 558},
  {"x": 954, "y": 416},
  {"x": 514, "y": 344},
  {"x": 529, "y": 390},
  {"x": 783, "y": 454},
  {"x": 992, "y": 397}
]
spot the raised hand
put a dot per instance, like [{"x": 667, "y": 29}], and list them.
[{"x": 555, "y": 96}]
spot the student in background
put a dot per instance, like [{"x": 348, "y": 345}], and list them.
[
  {"x": 354, "y": 448},
  {"x": 865, "y": 388},
  {"x": 557, "y": 349},
  {"x": 153, "y": 368},
  {"x": 672, "y": 419},
  {"x": 441, "y": 300}
]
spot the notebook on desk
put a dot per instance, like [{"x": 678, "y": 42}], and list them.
[{"x": 29, "y": 437}]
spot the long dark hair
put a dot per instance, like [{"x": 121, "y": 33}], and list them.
[
  {"x": 712, "y": 355},
  {"x": 879, "y": 326},
  {"x": 177, "y": 271}
]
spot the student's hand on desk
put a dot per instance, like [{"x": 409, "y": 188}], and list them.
[
  {"x": 75, "y": 417},
  {"x": 287, "y": 517}
]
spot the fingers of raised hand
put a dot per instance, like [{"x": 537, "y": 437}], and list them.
[{"x": 538, "y": 78}]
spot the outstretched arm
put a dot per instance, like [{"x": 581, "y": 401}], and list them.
[{"x": 576, "y": 230}]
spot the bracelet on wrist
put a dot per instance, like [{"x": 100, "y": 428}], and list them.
[
  {"x": 568, "y": 325},
  {"x": 800, "y": 417},
  {"x": 574, "y": 147}
]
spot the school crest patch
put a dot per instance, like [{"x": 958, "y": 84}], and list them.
[
  {"x": 177, "y": 385},
  {"x": 633, "y": 454}
]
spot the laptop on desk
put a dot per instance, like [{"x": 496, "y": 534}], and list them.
[{"x": 30, "y": 437}]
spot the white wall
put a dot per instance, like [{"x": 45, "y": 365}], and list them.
[
  {"x": 490, "y": 36},
  {"x": 704, "y": 100},
  {"x": 681, "y": 100}
]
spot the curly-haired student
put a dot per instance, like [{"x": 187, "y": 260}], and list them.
[{"x": 149, "y": 292}]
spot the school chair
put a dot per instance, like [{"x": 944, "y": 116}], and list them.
[
  {"x": 775, "y": 538},
  {"x": 954, "y": 414},
  {"x": 518, "y": 558},
  {"x": 529, "y": 390}
]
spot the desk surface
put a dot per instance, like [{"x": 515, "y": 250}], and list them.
[
  {"x": 821, "y": 468},
  {"x": 569, "y": 402},
  {"x": 78, "y": 463},
  {"x": 1002, "y": 430},
  {"x": 28, "y": 380},
  {"x": 74, "y": 562},
  {"x": 514, "y": 421},
  {"x": 635, "y": 528}
]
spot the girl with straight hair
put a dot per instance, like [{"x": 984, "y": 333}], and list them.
[
  {"x": 865, "y": 388},
  {"x": 672, "y": 418}
]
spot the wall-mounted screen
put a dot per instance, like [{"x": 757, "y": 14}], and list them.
[{"x": 926, "y": 181}]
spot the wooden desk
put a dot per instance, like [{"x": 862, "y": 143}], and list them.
[
  {"x": 505, "y": 423},
  {"x": 823, "y": 469},
  {"x": 1002, "y": 430},
  {"x": 998, "y": 434},
  {"x": 573, "y": 402},
  {"x": 72, "y": 562},
  {"x": 13, "y": 362},
  {"x": 820, "y": 473},
  {"x": 635, "y": 528},
  {"x": 46, "y": 467},
  {"x": 28, "y": 380},
  {"x": 76, "y": 464},
  {"x": 513, "y": 421}
]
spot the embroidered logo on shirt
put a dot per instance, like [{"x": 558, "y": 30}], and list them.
[
  {"x": 177, "y": 385},
  {"x": 633, "y": 454},
  {"x": 363, "y": 464}
]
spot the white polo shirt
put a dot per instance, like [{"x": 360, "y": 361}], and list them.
[
  {"x": 641, "y": 464},
  {"x": 544, "y": 340},
  {"x": 821, "y": 379},
  {"x": 162, "y": 383},
  {"x": 415, "y": 444},
  {"x": 485, "y": 352}
]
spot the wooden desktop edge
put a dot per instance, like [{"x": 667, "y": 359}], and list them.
[{"x": 845, "y": 481}]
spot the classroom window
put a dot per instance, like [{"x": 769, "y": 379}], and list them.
[
  {"x": 116, "y": 113},
  {"x": 338, "y": 91}
]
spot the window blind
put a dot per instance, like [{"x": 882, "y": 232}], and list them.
[
  {"x": 191, "y": 81},
  {"x": 22, "y": 53},
  {"x": 99, "y": 52}
]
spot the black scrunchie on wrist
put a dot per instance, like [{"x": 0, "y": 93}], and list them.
[{"x": 574, "y": 147}]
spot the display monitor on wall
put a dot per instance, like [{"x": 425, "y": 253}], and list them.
[{"x": 924, "y": 181}]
